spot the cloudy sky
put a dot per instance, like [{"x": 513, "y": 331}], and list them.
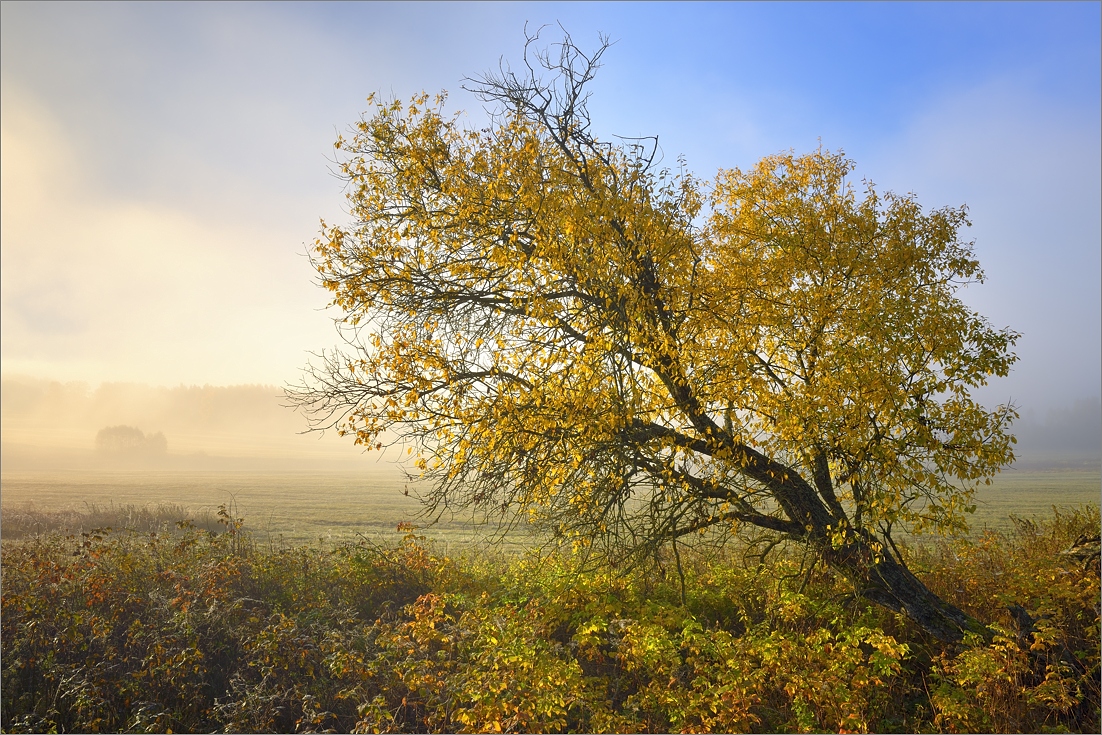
[{"x": 165, "y": 165}]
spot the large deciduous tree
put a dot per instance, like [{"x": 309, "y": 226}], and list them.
[{"x": 562, "y": 329}]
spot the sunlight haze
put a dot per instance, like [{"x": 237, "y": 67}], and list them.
[{"x": 166, "y": 166}]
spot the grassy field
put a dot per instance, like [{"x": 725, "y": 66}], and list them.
[
  {"x": 295, "y": 508},
  {"x": 1033, "y": 493},
  {"x": 283, "y": 508}
]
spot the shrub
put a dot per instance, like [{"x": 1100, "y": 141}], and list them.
[{"x": 195, "y": 630}]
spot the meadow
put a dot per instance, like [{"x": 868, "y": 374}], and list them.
[
  {"x": 279, "y": 509},
  {"x": 291, "y": 508},
  {"x": 308, "y": 603}
]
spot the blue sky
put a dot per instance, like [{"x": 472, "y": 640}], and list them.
[{"x": 164, "y": 165}]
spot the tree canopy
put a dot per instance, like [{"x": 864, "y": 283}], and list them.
[{"x": 627, "y": 355}]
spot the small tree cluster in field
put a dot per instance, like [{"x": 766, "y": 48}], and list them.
[
  {"x": 130, "y": 441},
  {"x": 201, "y": 631}
]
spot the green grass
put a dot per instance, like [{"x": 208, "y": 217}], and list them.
[
  {"x": 304, "y": 507},
  {"x": 1032, "y": 494},
  {"x": 279, "y": 509}
]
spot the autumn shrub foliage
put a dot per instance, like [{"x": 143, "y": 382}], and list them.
[{"x": 201, "y": 631}]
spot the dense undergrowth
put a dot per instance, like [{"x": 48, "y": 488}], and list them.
[{"x": 197, "y": 631}]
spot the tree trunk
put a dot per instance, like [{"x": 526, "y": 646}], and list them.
[
  {"x": 883, "y": 580},
  {"x": 866, "y": 562}
]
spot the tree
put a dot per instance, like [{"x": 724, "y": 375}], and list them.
[
  {"x": 631, "y": 357},
  {"x": 129, "y": 441}
]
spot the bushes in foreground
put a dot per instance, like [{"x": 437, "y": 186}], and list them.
[{"x": 197, "y": 631}]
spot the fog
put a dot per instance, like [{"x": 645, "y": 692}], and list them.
[
  {"x": 51, "y": 425},
  {"x": 1061, "y": 437},
  {"x": 165, "y": 164}
]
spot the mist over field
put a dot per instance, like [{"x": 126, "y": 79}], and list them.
[
  {"x": 1061, "y": 436},
  {"x": 51, "y": 425}
]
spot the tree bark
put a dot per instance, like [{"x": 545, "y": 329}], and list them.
[
  {"x": 870, "y": 566},
  {"x": 881, "y": 579},
  {"x": 876, "y": 574}
]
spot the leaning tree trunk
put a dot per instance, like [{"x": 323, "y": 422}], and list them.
[
  {"x": 879, "y": 578},
  {"x": 868, "y": 564}
]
